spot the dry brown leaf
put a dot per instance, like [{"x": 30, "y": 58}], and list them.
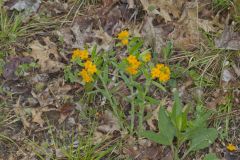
[
  {"x": 37, "y": 114},
  {"x": 131, "y": 4},
  {"x": 43, "y": 55},
  {"x": 86, "y": 36},
  {"x": 167, "y": 8},
  {"x": 65, "y": 111},
  {"x": 229, "y": 39},
  {"x": 186, "y": 33},
  {"x": 109, "y": 123},
  {"x": 22, "y": 114},
  {"x": 152, "y": 118},
  {"x": 152, "y": 35}
]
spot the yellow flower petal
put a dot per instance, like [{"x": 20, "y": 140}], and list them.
[
  {"x": 82, "y": 54},
  {"x": 123, "y": 35},
  {"x": 90, "y": 67},
  {"x": 124, "y": 41},
  {"x": 155, "y": 72},
  {"x": 132, "y": 59},
  {"x": 161, "y": 72},
  {"x": 131, "y": 70},
  {"x": 85, "y": 76},
  {"x": 231, "y": 147}
]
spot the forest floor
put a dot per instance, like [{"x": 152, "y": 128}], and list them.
[{"x": 120, "y": 79}]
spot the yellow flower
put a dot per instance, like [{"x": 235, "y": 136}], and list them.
[
  {"x": 136, "y": 64},
  {"x": 231, "y": 147},
  {"x": 164, "y": 77},
  {"x": 131, "y": 70},
  {"x": 124, "y": 41},
  {"x": 155, "y": 72},
  {"x": 82, "y": 54},
  {"x": 86, "y": 77},
  {"x": 123, "y": 35},
  {"x": 147, "y": 57},
  {"x": 159, "y": 66},
  {"x": 161, "y": 72},
  {"x": 90, "y": 67},
  {"x": 132, "y": 59}
]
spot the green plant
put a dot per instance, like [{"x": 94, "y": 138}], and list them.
[
  {"x": 176, "y": 124},
  {"x": 71, "y": 146},
  {"x": 2, "y": 63},
  {"x": 126, "y": 72},
  {"x": 221, "y": 4},
  {"x": 10, "y": 27},
  {"x": 25, "y": 67},
  {"x": 210, "y": 156}
]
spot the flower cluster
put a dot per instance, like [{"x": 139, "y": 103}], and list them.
[
  {"x": 133, "y": 65},
  {"x": 82, "y": 54},
  {"x": 89, "y": 68},
  {"x": 161, "y": 71},
  {"x": 123, "y": 37},
  {"x": 231, "y": 147}
]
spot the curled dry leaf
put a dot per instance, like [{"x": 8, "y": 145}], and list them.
[{"x": 46, "y": 55}]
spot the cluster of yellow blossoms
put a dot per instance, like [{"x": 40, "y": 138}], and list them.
[
  {"x": 162, "y": 72},
  {"x": 231, "y": 147},
  {"x": 82, "y": 54},
  {"x": 123, "y": 37},
  {"x": 133, "y": 65},
  {"x": 89, "y": 68}
]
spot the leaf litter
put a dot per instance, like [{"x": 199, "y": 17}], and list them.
[{"x": 177, "y": 21}]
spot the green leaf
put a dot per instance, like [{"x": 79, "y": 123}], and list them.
[
  {"x": 210, "y": 156},
  {"x": 152, "y": 101},
  {"x": 161, "y": 87},
  {"x": 197, "y": 124},
  {"x": 156, "y": 137},
  {"x": 176, "y": 114},
  {"x": 203, "y": 138},
  {"x": 165, "y": 125},
  {"x": 135, "y": 46},
  {"x": 94, "y": 51}
]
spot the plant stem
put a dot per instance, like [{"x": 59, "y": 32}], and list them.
[
  {"x": 132, "y": 107},
  {"x": 113, "y": 105}
]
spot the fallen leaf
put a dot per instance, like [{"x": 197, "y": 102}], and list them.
[
  {"x": 11, "y": 66},
  {"x": 167, "y": 8},
  {"x": 229, "y": 39},
  {"x": 152, "y": 35},
  {"x": 19, "y": 5},
  {"x": 131, "y": 4},
  {"x": 22, "y": 114},
  {"x": 109, "y": 123},
  {"x": 65, "y": 111},
  {"x": 47, "y": 56},
  {"x": 36, "y": 117},
  {"x": 227, "y": 76},
  {"x": 37, "y": 114}
]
